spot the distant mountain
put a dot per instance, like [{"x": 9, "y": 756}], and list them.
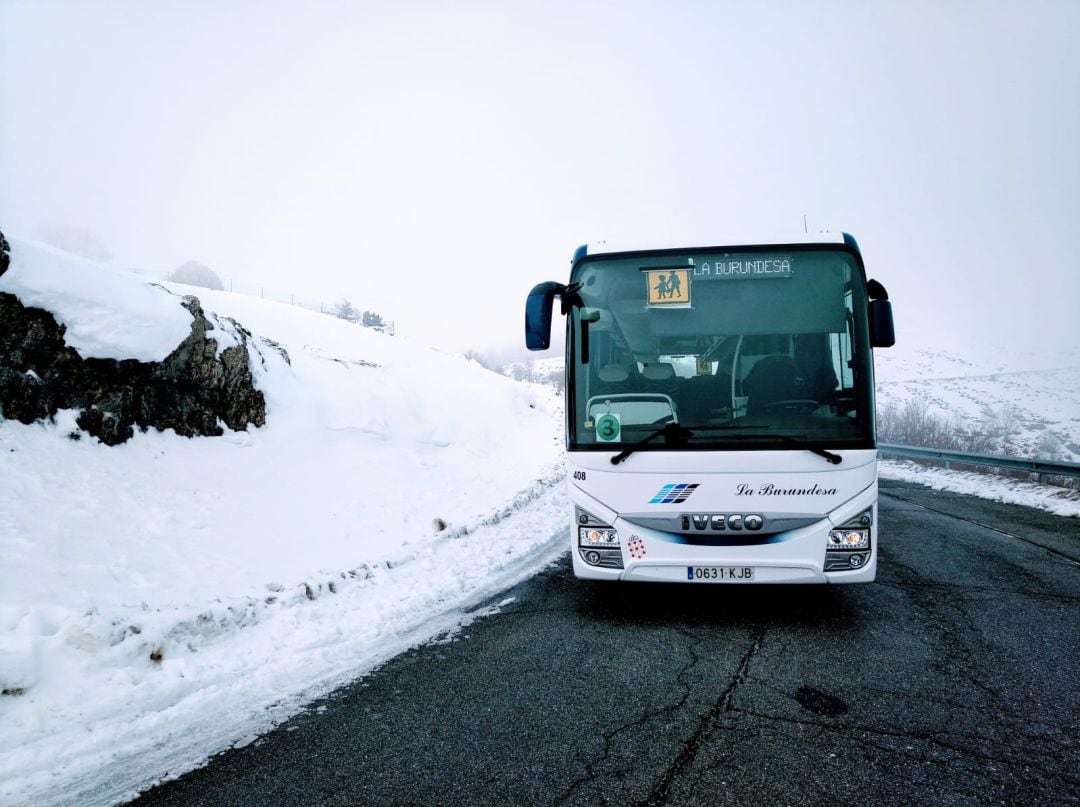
[{"x": 1027, "y": 412}]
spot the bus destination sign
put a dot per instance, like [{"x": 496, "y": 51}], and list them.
[{"x": 743, "y": 266}]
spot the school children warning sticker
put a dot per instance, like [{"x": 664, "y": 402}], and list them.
[{"x": 668, "y": 287}]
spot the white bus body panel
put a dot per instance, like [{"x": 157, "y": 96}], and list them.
[{"x": 795, "y": 485}]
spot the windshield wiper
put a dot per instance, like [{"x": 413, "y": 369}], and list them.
[
  {"x": 670, "y": 431},
  {"x": 793, "y": 439},
  {"x": 674, "y": 431}
]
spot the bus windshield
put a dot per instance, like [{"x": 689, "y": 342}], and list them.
[{"x": 752, "y": 349}]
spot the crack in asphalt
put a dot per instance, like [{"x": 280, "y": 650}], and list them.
[
  {"x": 591, "y": 772},
  {"x": 1024, "y": 723},
  {"x": 818, "y": 736},
  {"x": 988, "y": 773},
  {"x": 1046, "y": 596},
  {"x": 930, "y": 737},
  {"x": 692, "y": 745},
  {"x": 948, "y": 618},
  {"x": 999, "y": 531}
]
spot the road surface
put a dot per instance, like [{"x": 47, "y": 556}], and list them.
[{"x": 952, "y": 680}]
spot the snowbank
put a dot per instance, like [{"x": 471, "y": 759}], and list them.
[
  {"x": 1060, "y": 501},
  {"x": 107, "y": 315},
  {"x": 162, "y": 599}
]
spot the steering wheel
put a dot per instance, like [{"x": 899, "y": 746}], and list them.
[{"x": 801, "y": 405}]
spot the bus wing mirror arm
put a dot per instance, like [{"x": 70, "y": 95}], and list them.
[{"x": 538, "y": 311}]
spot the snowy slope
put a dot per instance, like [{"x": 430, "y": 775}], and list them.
[
  {"x": 1038, "y": 391},
  {"x": 547, "y": 371},
  {"x": 162, "y": 599}
]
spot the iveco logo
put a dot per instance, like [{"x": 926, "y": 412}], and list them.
[{"x": 722, "y": 521}]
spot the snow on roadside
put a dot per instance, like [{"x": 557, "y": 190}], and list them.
[
  {"x": 1060, "y": 501},
  {"x": 220, "y": 685},
  {"x": 166, "y": 598},
  {"x": 106, "y": 315}
]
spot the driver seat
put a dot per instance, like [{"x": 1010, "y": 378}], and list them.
[{"x": 772, "y": 379}]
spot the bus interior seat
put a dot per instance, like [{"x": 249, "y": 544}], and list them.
[
  {"x": 613, "y": 373},
  {"x": 813, "y": 358},
  {"x": 706, "y": 397},
  {"x": 697, "y": 398},
  {"x": 771, "y": 379},
  {"x": 659, "y": 377},
  {"x": 658, "y": 371}
]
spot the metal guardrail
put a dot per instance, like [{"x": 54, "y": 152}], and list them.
[{"x": 1043, "y": 468}]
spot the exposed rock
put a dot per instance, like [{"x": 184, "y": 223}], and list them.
[
  {"x": 193, "y": 391},
  {"x": 5, "y": 254}
]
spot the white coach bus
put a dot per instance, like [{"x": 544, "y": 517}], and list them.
[{"x": 720, "y": 411}]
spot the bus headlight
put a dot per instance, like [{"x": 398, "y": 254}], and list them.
[
  {"x": 848, "y": 539},
  {"x": 853, "y": 535},
  {"x": 598, "y": 537}
]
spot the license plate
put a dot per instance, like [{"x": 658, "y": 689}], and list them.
[{"x": 720, "y": 574}]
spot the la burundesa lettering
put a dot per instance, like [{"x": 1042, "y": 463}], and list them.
[
  {"x": 769, "y": 489},
  {"x": 757, "y": 267}
]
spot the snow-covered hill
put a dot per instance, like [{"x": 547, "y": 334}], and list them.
[
  {"x": 1028, "y": 400},
  {"x": 164, "y": 598},
  {"x": 548, "y": 371}
]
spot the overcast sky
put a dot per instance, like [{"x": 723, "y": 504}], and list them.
[{"x": 434, "y": 160}]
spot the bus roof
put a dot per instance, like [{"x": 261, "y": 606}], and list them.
[{"x": 611, "y": 247}]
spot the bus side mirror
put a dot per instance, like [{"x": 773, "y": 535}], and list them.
[
  {"x": 881, "y": 324},
  {"x": 538, "y": 315},
  {"x": 882, "y": 333}
]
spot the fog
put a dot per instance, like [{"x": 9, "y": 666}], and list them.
[{"x": 432, "y": 161}]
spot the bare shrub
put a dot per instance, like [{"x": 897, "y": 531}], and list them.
[
  {"x": 917, "y": 423},
  {"x": 1049, "y": 447},
  {"x": 1002, "y": 422},
  {"x": 347, "y": 311},
  {"x": 913, "y": 423},
  {"x": 481, "y": 359}
]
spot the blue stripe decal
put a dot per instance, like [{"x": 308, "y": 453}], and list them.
[
  {"x": 659, "y": 497},
  {"x": 674, "y": 493}
]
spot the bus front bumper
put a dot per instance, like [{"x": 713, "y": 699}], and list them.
[{"x": 798, "y": 557}]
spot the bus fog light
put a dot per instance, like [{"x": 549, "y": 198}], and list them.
[
  {"x": 597, "y": 537},
  {"x": 846, "y": 561},
  {"x": 604, "y": 558},
  {"x": 848, "y": 539}
]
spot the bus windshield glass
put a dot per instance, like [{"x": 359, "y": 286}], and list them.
[{"x": 750, "y": 349}]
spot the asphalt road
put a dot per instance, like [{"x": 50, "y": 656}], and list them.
[{"x": 952, "y": 680}]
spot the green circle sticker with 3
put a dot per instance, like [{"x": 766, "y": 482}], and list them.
[{"x": 608, "y": 428}]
